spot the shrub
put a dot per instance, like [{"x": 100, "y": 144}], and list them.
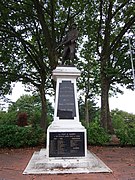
[
  {"x": 118, "y": 122},
  {"x": 8, "y": 118},
  {"x": 15, "y": 136},
  {"x": 22, "y": 119},
  {"x": 96, "y": 134},
  {"x": 35, "y": 118},
  {"x": 121, "y": 118},
  {"x": 126, "y": 135}
]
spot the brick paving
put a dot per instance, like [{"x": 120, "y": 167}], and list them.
[{"x": 120, "y": 160}]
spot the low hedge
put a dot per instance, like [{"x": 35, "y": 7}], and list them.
[
  {"x": 15, "y": 136},
  {"x": 96, "y": 134},
  {"x": 126, "y": 135}
]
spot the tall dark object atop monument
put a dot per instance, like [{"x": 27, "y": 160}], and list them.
[{"x": 69, "y": 42}]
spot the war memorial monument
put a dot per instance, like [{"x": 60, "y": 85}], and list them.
[{"x": 66, "y": 149}]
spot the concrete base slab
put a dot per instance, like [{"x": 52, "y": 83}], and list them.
[{"x": 40, "y": 164}]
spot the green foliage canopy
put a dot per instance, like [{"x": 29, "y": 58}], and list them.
[{"x": 31, "y": 29}]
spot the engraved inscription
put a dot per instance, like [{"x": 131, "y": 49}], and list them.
[
  {"x": 66, "y": 101},
  {"x": 66, "y": 144}
]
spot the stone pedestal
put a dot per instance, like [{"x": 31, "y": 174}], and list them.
[{"x": 66, "y": 137}]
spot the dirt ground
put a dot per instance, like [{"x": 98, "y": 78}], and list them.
[{"x": 120, "y": 160}]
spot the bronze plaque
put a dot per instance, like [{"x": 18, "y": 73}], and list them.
[
  {"x": 66, "y": 101},
  {"x": 66, "y": 144}
]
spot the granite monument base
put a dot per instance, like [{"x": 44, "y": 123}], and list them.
[
  {"x": 66, "y": 139},
  {"x": 66, "y": 152},
  {"x": 40, "y": 164}
]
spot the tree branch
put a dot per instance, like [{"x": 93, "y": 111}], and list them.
[
  {"x": 40, "y": 14},
  {"x": 66, "y": 23},
  {"x": 52, "y": 20},
  {"x": 99, "y": 28},
  {"x": 19, "y": 76},
  {"x": 119, "y": 8},
  {"x": 106, "y": 42},
  {"x": 116, "y": 41},
  {"x": 28, "y": 47}
]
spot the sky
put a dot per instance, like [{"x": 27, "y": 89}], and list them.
[{"x": 125, "y": 102}]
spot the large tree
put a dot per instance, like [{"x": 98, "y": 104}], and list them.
[
  {"x": 30, "y": 31},
  {"x": 113, "y": 19},
  {"x": 115, "y": 67}
]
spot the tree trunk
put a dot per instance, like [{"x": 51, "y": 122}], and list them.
[
  {"x": 86, "y": 111},
  {"x": 43, "y": 121},
  {"x": 105, "y": 110},
  {"x": 105, "y": 81}
]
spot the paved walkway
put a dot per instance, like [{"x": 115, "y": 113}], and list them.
[{"x": 120, "y": 160}]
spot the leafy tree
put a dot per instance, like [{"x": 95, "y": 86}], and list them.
[
  {"x": 124, "y": 125},
  {"x": 30, "y": 31},
  {"x": 26, "y": 103},
  {"x": 31, "y": 105},
  {"x": 88, "y": 113},
  {"x": 88, "y": 82},
  {"x": 111, "y": 21},
  {"x": 115, "y": 67},
  {"x": 121, "y": 118}
]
